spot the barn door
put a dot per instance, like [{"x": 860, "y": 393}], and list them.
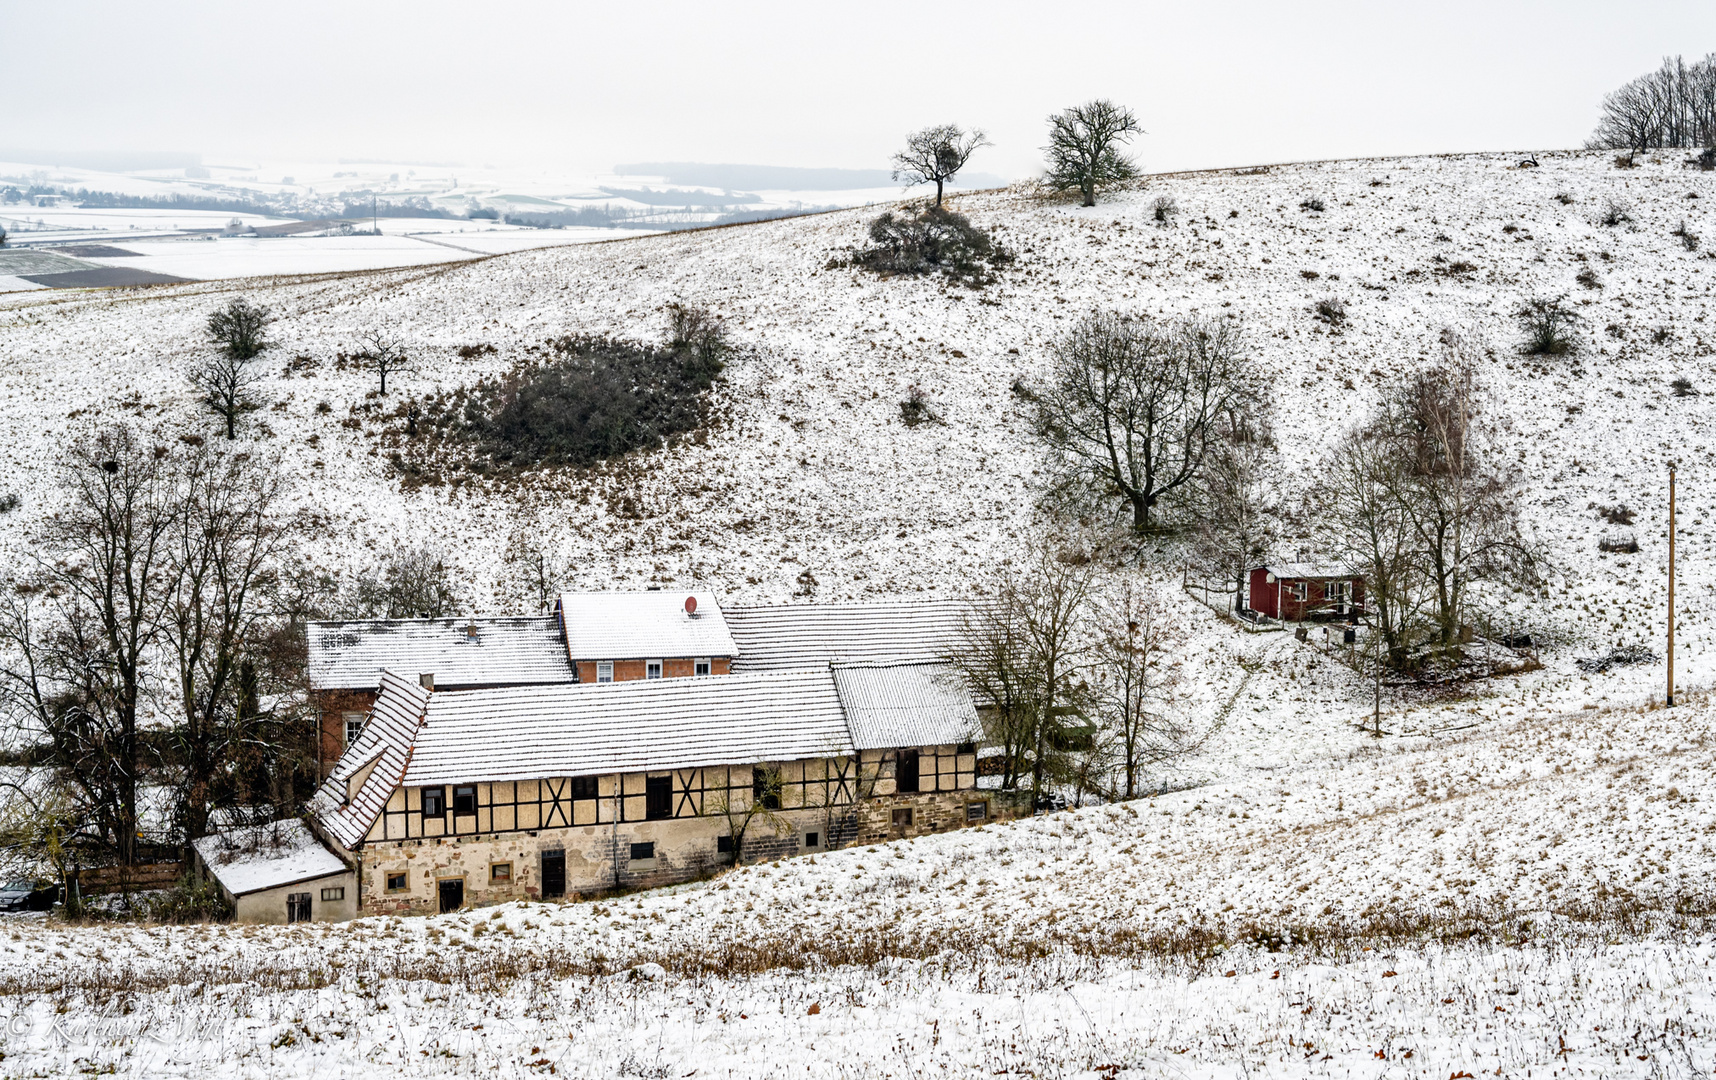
[
  {"x": 553, "y": 874},
  {"x": 452, "y": 894}
]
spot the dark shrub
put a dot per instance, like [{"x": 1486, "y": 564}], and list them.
[
  {"x": 935, "y": 241},
  {"x": 591, "y": 399},
  {"x": 1614, "y": 212},
  {"x": 1588, "y": 278},
  {"x": 1312, "y": 204},
  {"x": 1164, "y": 210},
  {"x": 1616, "y": 515},
  {"x": 1688, "y": 238},
  {"x": 1626, "y": 545},
  {"x": 1549, "y": 327},
  {"x": 1683, "y": 387},
  {"x": 9, "y": 502},
  {"x": 1332, "y": 311},
  {"x": 915, "y": 409}
]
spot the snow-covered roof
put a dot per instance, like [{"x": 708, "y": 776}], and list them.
[
  {"x": 642, "y": 625},
  {"x": 384, "y": 747},
  {"x": 889, "y": 705},
  {"x": 503, "y": 652},
  {"x": 258, "y": 857},
  {"x": 523, "y": 733},
  {"x": 1308, "y": 570},
  {"x": 784, "y": 638}
]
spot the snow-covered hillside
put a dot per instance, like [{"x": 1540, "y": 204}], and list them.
[
  {"x": 813, "y": 475},
  {"x": 1392, "y": 914}
]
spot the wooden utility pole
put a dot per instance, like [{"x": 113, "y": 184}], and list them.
[{"x": 1669, "y": 700}]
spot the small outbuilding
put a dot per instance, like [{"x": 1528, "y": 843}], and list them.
[
  {"x": 278, "y": 873},
  {"x": 1302, "y": 592}
]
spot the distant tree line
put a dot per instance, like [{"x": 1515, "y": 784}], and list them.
[{"x": 1673, "y": 107}]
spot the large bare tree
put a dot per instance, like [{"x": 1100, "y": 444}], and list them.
[
  {"x": 80, "y": 633},
  {"x": 1133, "y": 681},
  {"x": 227, "y": 380},
  {"x": 1672, "y": 107},
  {"x": 384, "y": 353},
  {"x": 1084, "y": 147},
  {"x": 1240, "y": 494},
  {"x": 1133, "y": 407},
  {"x": 936, "y": 154}
]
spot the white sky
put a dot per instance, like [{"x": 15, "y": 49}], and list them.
[{"x": 578, "y": 85}]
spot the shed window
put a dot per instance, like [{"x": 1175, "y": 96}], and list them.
[
  {"x": 500, "y": 872},
  {"x": 605, "y": 671},
  {"x": 465, "y": 799},
  {"x": 700, "y": 666},
  {"x": 812, "y": 840},
  {"x": 397, "y": 883},
  {"x": 652, "y": 669},
  {"x": 976, "y": 811},
  {"x": 903, "y": 818},
  {"x": 338, "y": 892},
  {"x": 724, "y": 845},
  {"x": 298, "y": 907},
  {"x": 354, "y": 726},
  {"x": 658, "y": 797},
  {"x": 643, "y": 852},
  {"x": 583, "y": 787},
  {"x": 1300, "y": 592},
  {"x": 434, "y": 801}
]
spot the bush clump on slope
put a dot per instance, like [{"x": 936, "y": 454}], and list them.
[
  {"x": 934, "y": 241},
  {"x": 594, "y": 398}
]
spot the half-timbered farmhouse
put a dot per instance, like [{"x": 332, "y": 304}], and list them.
[{"x": 682, "y": 738}]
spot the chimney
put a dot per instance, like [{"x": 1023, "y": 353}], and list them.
[
  {"x": 427, "y": 679},
  {"x": 471, "y": 629}
]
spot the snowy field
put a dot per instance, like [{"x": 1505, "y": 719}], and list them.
[
  {"x": 1527, "y": 897},
  {"x": 1544, "y": 792}
]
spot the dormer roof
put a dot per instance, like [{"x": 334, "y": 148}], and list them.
[{"x": 643, "y": 625}]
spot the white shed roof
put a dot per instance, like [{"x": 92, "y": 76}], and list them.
[
  {"x": 503, "y": 652},
  {"x": 258, "y": 857},
  {"x": 523, "y": 733},
  {"x": 809, "y": 635},
  {"x": 1308, "y": 570},
  {"x": 889, "y": 705},
  {"x": 642, "y": 625}
]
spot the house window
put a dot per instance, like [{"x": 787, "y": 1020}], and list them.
[
  {"x": 812, "y": 840},
  {"x": 397, "y": 883},
  {"x": 583, "y": 787},
  {"x": 658, "y": 797},
  {"x": 903, "y": 818},
  {"x": 652, "y": 669},
  {"x": 500, "y": 873},
  {"x": 354, "y": 727},
  {"x": 700, "y": 666},
  {"x": 338, "y": 892},
  {"x": 465, "y": 799},
  {"x": 977, "y": 811},
  {"x": 906, "y": 772},
  {"x": 766, "y": 787},
  {"x": 643, "y": 852},
  {"x": 434, "y": 801},
  {"x": 1300, "y": 592},
  {"x": 723, "y": 845},
  {"x": 298, "y": 907},
  {"x": 605, "y": 671}
]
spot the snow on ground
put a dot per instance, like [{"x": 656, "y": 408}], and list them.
[
  {"x": 1122, "y": 940},
  {"x": 1511, "y": 800}
]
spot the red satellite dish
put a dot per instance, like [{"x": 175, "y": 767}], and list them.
[{"x": 691, "y": 605}]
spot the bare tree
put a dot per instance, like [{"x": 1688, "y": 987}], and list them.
[
  {"x": 1240, "y": 495},
  {"x": 1458, "y": 493},
  {"x": 239, "y": 328},
  {"x": 226, "y": 383},
  {"x": 1133, "y": 408},
  {"x": 1357, "y": 497},
  {"x": 226, "y": 546},
  {"x": 1133, "y": 682},
  {"x": 1084, "y": 147},
  {"x": 936, "y": 154},
  {"x": 761, "y": 808},
  {"x": 536, "y": 568},
  {"x": 2, "y": 237},
  {"x": 412, "y": 584},
  {"x": 79, "y": 635},
  {"x": 1672, "y": 107},
  {"x": 1020, "y": 655},
  {"x": 384, "y": 353}
]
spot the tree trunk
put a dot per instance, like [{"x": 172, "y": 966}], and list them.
[{"x": 938, "y": 193}]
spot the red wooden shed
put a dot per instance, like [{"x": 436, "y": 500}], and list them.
[{"x": 1299, "y": 592}]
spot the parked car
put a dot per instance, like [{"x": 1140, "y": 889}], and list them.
[{"x": 28, "y": 896}]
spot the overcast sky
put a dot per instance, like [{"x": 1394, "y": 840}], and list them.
[{"x": 582, "y": 86}]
